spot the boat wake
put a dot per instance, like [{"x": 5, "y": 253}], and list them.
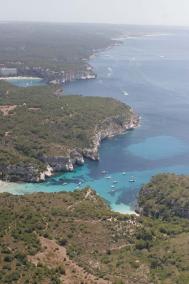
[{"x": 110, "y": 72}]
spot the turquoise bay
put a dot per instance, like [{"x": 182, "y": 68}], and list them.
[
  {"x": 160, "y": 147},
  {"x": 151, "y": 75},
  {"x": 26, "y": 82}
]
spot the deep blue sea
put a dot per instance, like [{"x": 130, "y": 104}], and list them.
[{"x": 150, "y": 73}]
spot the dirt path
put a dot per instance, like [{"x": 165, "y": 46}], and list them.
[{"x": 54, "y": 255}]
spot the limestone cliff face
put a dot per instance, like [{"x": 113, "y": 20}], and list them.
[
  {"x": 45, "y": 174},
  {"x": 64, "y": 163},
  {"x": 23, "y": 173},
  {"x": 110, "y": 127}
]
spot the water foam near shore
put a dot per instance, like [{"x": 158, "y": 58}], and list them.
[{"x": 23, "y": 81}]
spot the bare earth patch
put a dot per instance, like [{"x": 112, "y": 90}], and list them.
[
  {"x": 53, "y": 255},
  {"x": 7, "y": 108},
  {"x": 34, "y": 109}
]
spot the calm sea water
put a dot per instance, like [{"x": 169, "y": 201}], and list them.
[
  {"x": 24, "y": 82},
  {"x": 152, "y": 75}
]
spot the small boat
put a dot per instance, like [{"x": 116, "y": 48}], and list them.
[
  {"x": 104, "y": 172},
  {"x": 108, "y": 177},
  {"x": 132, "y": 179},
  {"x": 65, "y": 183},
  {"x": 80, "y": 183},
  {"x": 123, "y": 173},
  {"x": 125, "y": 93},
  {"x": 115, "y": 181},
  {"x": 113, "y": 186}
]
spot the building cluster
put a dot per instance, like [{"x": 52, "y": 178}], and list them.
[
  {"x": 5, "y": 71},
  {"x": 50, "y": 76}
]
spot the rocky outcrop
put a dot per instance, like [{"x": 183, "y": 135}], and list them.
[
  {"x": 76, "y": 157},
  {"x": 23, "y": 173},
  {"x": 64, "y": 163},
  {"x": 110, "y": 127},
  {"x": 45, "y": 174},
  {"x": 58, "y": 163}
]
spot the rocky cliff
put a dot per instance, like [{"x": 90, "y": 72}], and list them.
[
  {"x": 108, "y": 128},
  {"x": 47, "y": 165},
  {"x": 24, "y": 173}
]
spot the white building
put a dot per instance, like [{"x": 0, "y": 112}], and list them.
[{"x": 8, "y": 71}]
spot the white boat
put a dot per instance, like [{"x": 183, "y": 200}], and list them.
[
  {"x": 104, "y": 172},
  {"x": 125, "y": 93},
  {"x": 123, "y": 173},
  {"x": 113, "y": 186},
  {"x": 65, "y": 183},
  {"x": 132, "y": 179},
  {"x": 115, "y": 181},
  {"x": 109, "y": 177}
]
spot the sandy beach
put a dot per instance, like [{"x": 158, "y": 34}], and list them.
[
  {"x": 20, "y": 78},
  {"x": 7, "y": 187}
]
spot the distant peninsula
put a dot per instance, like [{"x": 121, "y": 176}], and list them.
[
  {"x": 43, "y": 131},
  {"x": 57, "y": 53}
]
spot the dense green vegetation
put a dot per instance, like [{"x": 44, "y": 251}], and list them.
[
  {"x": 55, "y": 46},
  {"x": 59, "y": 46},
  {"x": 118, "y": 248},
  {"x": 166, "y": 196},
  {"x": 76, "y": 221},
  {"x": 42, "y": 123}
]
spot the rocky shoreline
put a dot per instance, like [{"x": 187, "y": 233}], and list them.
[
  {"x": 108, "y": 128},
  {"x": 58, "y": 77},
  {"x": 49, "y": 76}
]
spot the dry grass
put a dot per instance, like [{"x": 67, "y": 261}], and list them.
[{"x": 54, "y": 256}]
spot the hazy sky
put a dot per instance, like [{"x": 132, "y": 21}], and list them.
[{"x": 165, "y": 12}]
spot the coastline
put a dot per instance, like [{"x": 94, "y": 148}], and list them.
[
  {"x": 109, "y": 128},
  {"x": 8, "y": 187},
  {"x": 21, "y": 78},
  {"x": 78, "y": 158},
  {"x": 88, "y": 72},
  {"x": 90, "y": 153}
]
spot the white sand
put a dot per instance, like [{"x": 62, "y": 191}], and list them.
[
  {"x": 7, "y": 187},
  {"x": 20, "y": 78}
]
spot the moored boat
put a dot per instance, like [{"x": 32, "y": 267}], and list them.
[{"x": 132, "y": 179}]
